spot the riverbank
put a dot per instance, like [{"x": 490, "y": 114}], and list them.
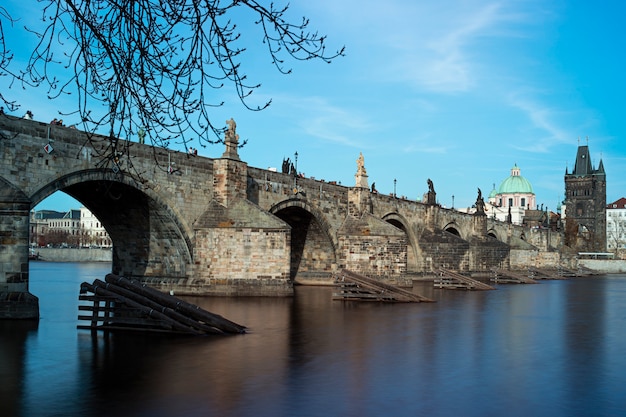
[
  {"x": 74, "y": 255},
  {"x": 604, "y": 266}
]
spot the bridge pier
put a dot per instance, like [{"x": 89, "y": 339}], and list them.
[{"x": 15, "y": 300}]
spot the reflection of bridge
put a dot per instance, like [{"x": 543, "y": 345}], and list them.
[{"x": 218, "y": 226}]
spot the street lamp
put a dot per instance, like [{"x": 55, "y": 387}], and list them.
[
  {"x": 452, "y": 201},
  {"x": 295, "y": 177},
  {"x": 394, "y": 187}
]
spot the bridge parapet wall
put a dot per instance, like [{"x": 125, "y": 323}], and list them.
[{"x": 268, "y": 188}]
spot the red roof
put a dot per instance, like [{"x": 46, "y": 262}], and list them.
[{"x": 619, "y": 204}]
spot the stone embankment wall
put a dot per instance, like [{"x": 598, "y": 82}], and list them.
[
  {"x": 604, "y": 266},
  {"x": 74, "y": 255},
  {"x": 521, "y": 259}
]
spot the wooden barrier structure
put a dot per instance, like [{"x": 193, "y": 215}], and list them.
[
  {"x": 357, "y": 287},
  {"x": 122, "y": 304},
  {"x": 537, "y": 273},
  {"x": 502, "y": 276},
  {"x": 454, "y": 281}
]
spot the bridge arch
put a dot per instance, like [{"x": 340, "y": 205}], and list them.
[
  {"x": 494, "y": 234},
  {"x": 402, "y": 223},
  {"x": 453, "y": 228},
  {"x": 150, "y": 239},
  {"x": 313, "y": 247}
]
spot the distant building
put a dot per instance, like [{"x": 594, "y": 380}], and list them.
[
  {"x": 92, "y": 227},
  {"x": 585, "y": 204},
  {"x": 67, "y": 229},
  {"x": 512, "y": 198},
  {"x": 47, "y": 224},
  {"x": 616, "y": 226}
]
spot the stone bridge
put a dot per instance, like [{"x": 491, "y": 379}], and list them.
[{"x": 196, "y": 225}]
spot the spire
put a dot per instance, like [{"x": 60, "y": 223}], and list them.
[
  {"x": 601, "y": 167},
  {"x": 583, "y": 162}
]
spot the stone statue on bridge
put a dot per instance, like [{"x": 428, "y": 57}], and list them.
[
  {"x": 480, "y": 203},
  {"x": 231, "y": 132},
  {"x": 360, "y": 165},
  {"x": 361, "y": 173},
  {"x": 141, "y": 134},
  {"x": 431, "y": 195},
  {"x": 231, "y": 140},
  {"x": 286, "y": 166}
]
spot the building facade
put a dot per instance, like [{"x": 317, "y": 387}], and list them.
[
  {"x": 94, "y": 230},
  {"x": 585, "y": 204},
  {"x": 616, "y": 226},
  {"x": 74, "y": 228}
]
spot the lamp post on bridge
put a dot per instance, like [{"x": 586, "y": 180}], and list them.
[
  {"x": 452, "y": 201},
  {"x": 394, "y": 188},
  {"x": 295, "y": 177}
]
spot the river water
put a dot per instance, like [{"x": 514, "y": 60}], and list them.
[{"x": 557, "y": 348}]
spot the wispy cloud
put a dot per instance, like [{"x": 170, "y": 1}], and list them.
[
  {"x": 449, "y": 68},
  {"x": 318, "y": 118},
  {"x": 552, "y": 125},
  {"x": 436, "y": 50},
  {"x": 544, "y": 120}
]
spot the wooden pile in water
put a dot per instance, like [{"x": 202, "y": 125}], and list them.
[
  {"x": 502, "y": 276},
  {"x": 120, "y": 303},
  {"x": 562, "y": 273},
  {"x": 355, "y": 287},
  {"x": 453, "y": 280}
]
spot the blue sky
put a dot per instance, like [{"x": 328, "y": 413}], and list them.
[{"x": 457, "y": 91}]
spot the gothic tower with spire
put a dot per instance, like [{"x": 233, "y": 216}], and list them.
[{"x": 585, "y": 204}]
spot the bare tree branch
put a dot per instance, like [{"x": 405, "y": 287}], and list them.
[{"x": 155, "y": 64}]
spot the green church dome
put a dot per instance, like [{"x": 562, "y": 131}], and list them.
[{"x": 515, "y": 184}]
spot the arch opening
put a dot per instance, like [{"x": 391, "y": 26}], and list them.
[
  {"x": 452, "y": 230},
  {"x": 148, "y": 239},
  {"x": 312, "y": 251}
]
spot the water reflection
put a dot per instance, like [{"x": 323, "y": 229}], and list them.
[
  {"x": 551, "y": 349},
  {"x": 13, "y": 336}
]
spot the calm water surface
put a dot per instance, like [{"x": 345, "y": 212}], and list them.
[{"x": 557, "y": 348}]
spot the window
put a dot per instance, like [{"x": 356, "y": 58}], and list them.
[
  {"x": 510, "y": 202},
  {"x": 523, "y": 202}
]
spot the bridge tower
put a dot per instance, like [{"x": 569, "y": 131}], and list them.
[{"x": 585, "y": 204}]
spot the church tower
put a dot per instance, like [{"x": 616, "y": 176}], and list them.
[{"x": 585, "y": 204}]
